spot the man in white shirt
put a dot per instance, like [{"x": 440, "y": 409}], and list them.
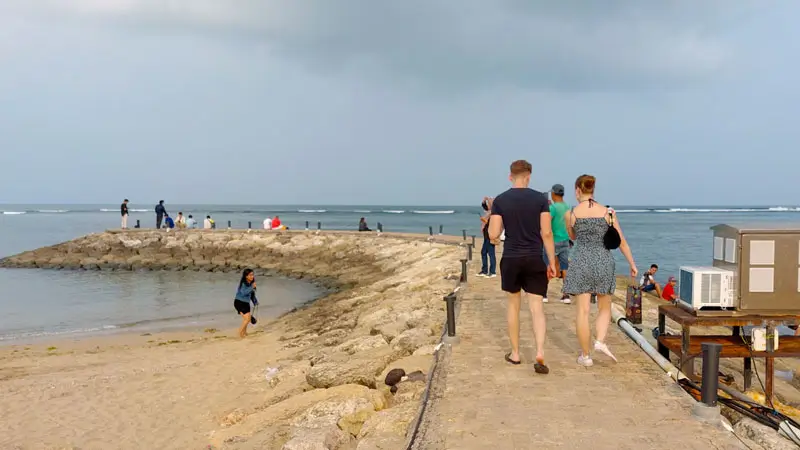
[
  {"x": 207, "y": 223},
  {"x": 268, "y": 223},
  {"x": 190, "y": 222}
]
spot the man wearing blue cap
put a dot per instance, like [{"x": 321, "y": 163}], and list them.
[{"x": 558, "y": 210}]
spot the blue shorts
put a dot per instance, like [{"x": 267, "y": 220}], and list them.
[
  {"x": 562, "y": 254},
  {"x": 649, "y": 288}
]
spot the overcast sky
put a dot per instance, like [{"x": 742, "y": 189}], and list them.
[{"x": 414, "y": 102}]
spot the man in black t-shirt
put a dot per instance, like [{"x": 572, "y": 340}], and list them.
[
  {"x": 123, "y": 209},
  {"x": 525, "y": 215}
]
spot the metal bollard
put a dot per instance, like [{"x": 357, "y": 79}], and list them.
[
  {"x": 319, "y": 226},
  {"x": 469, "y": 252},
  {"x": 463, "y": 278},
  {"x": 306, "y": 225},
  {"x": 229, "y": 224},
  {"x": 441, "y": 227},
  {"x": 450, "y": 299},
  {"x": 138, "y": 225},
  {"x": 430, "y": 230},
  {"x": 708, "y": 390},
  {"x": 249, "y": 225},
  {"x": 380, "y": 227},
  {"x": 464, "y": 233},
  {"x": 473, "y": 240}
]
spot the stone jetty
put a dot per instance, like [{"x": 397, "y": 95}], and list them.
[{"x": 385, "y": 313}]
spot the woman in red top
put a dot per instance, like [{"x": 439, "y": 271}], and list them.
[{"x": 276, "y": 223}]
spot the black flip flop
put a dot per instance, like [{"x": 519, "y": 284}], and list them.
[
  {"x": 508, "y": 359},
  {"x": 539, "y": 367}
]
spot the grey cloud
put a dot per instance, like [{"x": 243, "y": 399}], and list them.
[{"x": 552, "y": 45}]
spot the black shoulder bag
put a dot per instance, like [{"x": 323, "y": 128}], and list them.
[{"x": 612, "y": 239}]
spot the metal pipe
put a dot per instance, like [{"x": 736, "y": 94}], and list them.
[
  {"x": 473, "y": 240},
  {"x": 463, "y": 278},
  {"x": 380, "y": 227},
  {"x": 441, "y": 228},
  {"x": 229, "y": 224},
  {"x": 672, "y": 371},
  {"x": 469, "y": 252},
  {"x": 450, "y": 300},
  {"x": 249, "y": 225},
  {"x": 464, "y": 233},
  {"x": 306, "y": 225},
  {"x": 710, "y": 386},
  {"x": 319, "y": 226},
  {"x": 430, "y": 229}
]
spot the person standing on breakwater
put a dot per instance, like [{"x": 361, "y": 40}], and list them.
[
  {"x": 160, "y": 213},
  {"x": 245, "y": 293},
  {"x": 525, "y": 216},
  {"x": 592, "y": 268},
  {"x": 488, "y": 258},
  {"x": 558, "y": 210},
  {"x": 123, "y": 209}
]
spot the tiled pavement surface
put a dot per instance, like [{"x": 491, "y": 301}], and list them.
[{"x": 486, "y": 403}]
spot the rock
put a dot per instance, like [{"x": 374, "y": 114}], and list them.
[
  {"x": 352, "y": 423},
  {"x": 389, "y": 330},
  {"x": 361, "y": 344},
  {"x": 282, "y": 412},
  {"x": 762, "y": 435},
  {"x": 425, "y": 350},
  {"x": 409, "y": 391},
  {"x": 345, "y": 369},
  {"x": 412, "y": 339},
  {"x": 393, "y": 421},
  {"x": 327, "y": 413},
  {"x": 381, "y": 442},
  {"x": 328, "y": 438}
]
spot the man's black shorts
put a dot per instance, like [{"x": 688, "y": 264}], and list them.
[{"x": 527, "y": 273}]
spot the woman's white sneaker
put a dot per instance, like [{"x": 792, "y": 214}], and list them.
[
  {"x": 603, "y": 348},
  {"x": 585, "y": 361}
]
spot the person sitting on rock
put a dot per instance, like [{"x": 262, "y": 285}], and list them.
[
  {"x": 190, "y": 222},
  {"x": 362, "y": 225},
  {"x": 168, "y": 222},
  {"x": 268, "y": 223}
]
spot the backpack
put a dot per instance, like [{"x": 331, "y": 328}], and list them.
[{"x": 612, "y": 239}]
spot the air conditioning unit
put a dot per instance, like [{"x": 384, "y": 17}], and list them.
[{"x": 706, "y": 287}]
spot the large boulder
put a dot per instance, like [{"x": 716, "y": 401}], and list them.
[
  {"x": 327, "y": 438},
  {"x": 410, "y": 340},
  {"x": 361, "y": 368},
  {"x": 393, "y": 421}
]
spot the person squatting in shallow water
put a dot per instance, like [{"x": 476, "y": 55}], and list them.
[{"x": 245, "y": 293}]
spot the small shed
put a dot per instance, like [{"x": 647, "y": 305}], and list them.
[{"x": 765, "y": 259}]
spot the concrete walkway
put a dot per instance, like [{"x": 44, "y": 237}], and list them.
[{"x": 485, "y": 403}]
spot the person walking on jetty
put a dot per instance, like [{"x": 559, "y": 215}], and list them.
[
  {"x": 524, "y": 215},
  {"x": 592, "y": 268},
  {"x": 488, "y": 256},
  {"x": 123, "y": 209},
  {"x": 558, "y": 211},
  {"x": 245, "y": 293},
  {"x": 160, "y": 213}
]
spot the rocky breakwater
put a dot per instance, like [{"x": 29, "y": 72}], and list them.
[{"x": 333, "y": 355}]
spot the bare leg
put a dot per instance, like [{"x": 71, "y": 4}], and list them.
[
  {"x": 603, "y": 317},
  {"x": 513, "y": 323},
  {"x": 539, "y": 323},
  {"x": 658, "y": 289},
  {"x": 243, "y": 327},
  {"x": 582, "y": 322}
]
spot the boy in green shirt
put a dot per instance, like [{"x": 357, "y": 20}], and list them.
[{"x": 558, "y": 210}]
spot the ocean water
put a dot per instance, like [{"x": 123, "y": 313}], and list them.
[{"x": 33, "y": 301}]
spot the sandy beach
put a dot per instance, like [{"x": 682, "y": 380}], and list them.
[{"x": 204, "y": 388}]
